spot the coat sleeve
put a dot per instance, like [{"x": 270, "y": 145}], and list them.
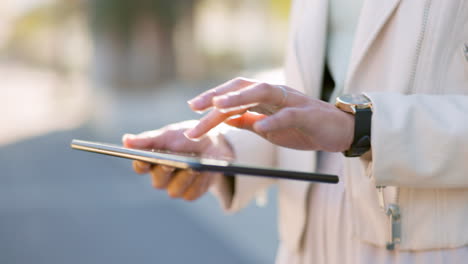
[
  {"x": 249, "y": 148},
  {"x": 419, "y": 141}
]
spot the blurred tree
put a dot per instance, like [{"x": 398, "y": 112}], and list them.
[{"x": 39, "y": 35}]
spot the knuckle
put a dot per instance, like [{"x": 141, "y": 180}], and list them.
[
  {"x": 158, "y": 184},
  {"x": 159, "y": 180},
  {"x": 236, "y": 97},
  {"x": 264, "y": 90},
  {"x": 168, "y": 129},
  {"x": 239, "y": 80},
  {"x": 210, "y": 93},
  {"x": 263, "y": 86},
  {"x": 175, "y": 185},
  {"x": 155, "y": 172}
]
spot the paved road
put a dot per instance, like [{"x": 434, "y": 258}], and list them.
[{"x": 63, "y": 206}]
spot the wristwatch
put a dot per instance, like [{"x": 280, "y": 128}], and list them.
[{"x": 361, "y": 107}]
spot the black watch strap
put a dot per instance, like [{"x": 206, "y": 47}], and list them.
[{"x": 362, "y": 133}]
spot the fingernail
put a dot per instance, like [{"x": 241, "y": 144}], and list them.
[
  {"x": 203, "y": 111},
  {"x": 128, "y": 136},
  {"x": 190, "y": 102},
  {"x": 143, "y": 166},
  {"x": 167, "y": 168},
  {"x": 188, "y": 136},
  {"x": 193, "y": 102},
  {"x": 187, "y": 133}
]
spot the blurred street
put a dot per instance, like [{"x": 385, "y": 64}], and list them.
[{"x": 59, "y": 205}]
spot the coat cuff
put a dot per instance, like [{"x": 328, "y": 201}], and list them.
[
  {"x": 419, "y": 140},
  {"x": 234, "y": 193}
]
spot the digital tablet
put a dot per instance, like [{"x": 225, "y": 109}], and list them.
[{"x": 186, "y": 161}]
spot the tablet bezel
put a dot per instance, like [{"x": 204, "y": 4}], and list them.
[{"x": 182, "y": 161}]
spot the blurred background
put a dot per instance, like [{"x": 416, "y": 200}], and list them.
[{"x": 94, "y": 70}]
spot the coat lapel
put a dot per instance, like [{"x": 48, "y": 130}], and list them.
[
  {"x": 309, "y": 44},
  {"x": 373, "y": 17}
]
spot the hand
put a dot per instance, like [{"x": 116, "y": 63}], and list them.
[
  {"x": 282, "y": 115},
  {"x": 187, "y": 184}
]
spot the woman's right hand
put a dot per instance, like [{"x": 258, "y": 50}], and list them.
[
  {"x": 280, "y": 114},
  {"x": 187, "y": 184}
]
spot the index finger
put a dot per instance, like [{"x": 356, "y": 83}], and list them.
[
  {"x": 235, "y": 103},
  {"x": 210, "y": 121},
  {"x": 205, "y": 100}
]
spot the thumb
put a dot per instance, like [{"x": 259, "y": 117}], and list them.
[
  {"x": 286, "y": 118},
  {"x": 143, "y": 141}
]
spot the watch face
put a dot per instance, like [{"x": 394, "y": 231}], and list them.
[
  {"x": 350, "y": 102},
  {"x": 354, "y": 99}
]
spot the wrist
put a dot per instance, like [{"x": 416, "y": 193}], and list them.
[
  {"x": 360, "y": 107},
  {"x": 349, "y": 135}
]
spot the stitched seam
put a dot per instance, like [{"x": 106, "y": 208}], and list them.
[{"x": 421, "y": 37}]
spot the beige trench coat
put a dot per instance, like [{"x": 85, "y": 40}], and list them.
[{"x": 411, "y": 58}]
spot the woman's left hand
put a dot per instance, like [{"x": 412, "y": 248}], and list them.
[{"x": 280, "y": 114}]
